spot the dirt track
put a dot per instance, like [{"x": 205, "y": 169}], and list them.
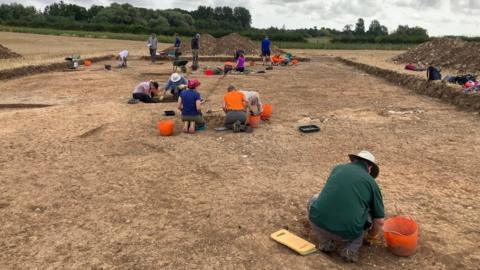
[{"x": 89, "y": 184}]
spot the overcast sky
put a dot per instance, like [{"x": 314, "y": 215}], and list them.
[{"x": 439, "y": 17}]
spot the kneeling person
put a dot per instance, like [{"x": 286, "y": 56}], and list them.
[
  {"x": 145, "y": 91},
  {"x": 234, "y": 105},
  {"x": 254, "y": 103},
  {"x": 190, "y": 104},
  {"x": 349, "y": 206}
]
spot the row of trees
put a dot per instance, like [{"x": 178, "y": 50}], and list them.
[
  {"x": 378, "y": 33},
  {"x": 127, "y": 18},
  {"x": 217, "y": 21}
]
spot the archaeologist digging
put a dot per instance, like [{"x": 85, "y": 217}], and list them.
[
  {"x": 234, "y": 105},
  {"x": 176, "y": 83},
  {"x": 190, "y": 104},
  {"x": 254, "y": 103},
  {"x": 349, "y": 208},
  {"x": 145, "y": 91},
  {"x": 123, "y": 55}
]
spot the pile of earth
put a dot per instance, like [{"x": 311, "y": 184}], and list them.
[
  {"x": 5, "y": 53},
  {"x": 451, "y": 53},
  {"x": 226, "y": 45}
]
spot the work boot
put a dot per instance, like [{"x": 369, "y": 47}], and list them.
[
  {"x": 349, "y": 256},
  {"x": 327, "y": 246},
  {"x": 237, "y": 126}
]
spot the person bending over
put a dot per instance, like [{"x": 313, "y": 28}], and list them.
[
  {"x": 349, "y": 207},
  {"x": 176, "y": 83},
  {"x": 145, "y": 91}
]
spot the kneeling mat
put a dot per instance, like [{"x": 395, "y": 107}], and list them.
[{"x": 299, "y": 245}]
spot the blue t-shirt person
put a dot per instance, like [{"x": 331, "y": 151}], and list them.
[
  {"x": 266, "y": 46},
  {"x": 189, "y": 102}
]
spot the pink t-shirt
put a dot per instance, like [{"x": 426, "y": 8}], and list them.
[{"x": 241, "y": 62}]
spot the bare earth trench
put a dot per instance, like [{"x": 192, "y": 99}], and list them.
[{"x": 89, "y": 184}]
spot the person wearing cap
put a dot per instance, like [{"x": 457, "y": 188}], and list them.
[
  {"x": 254, "y": 103},
  {"x": 176, "y": 83},
  {"x": 349, "y": 208},
  {"x": 190, "y": 104},
  {"x": 234, "y": 105},
  {"x": 145, "y": 91}
]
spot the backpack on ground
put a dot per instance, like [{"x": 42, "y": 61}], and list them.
[{"x": 433, "y": 74}]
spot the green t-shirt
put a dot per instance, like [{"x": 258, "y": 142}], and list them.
[{"x": 343, "y": 205}]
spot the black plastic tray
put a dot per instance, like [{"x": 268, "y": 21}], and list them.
[
  {"x": 169, "y": 113},
  {"x": 309, "y": 129}
]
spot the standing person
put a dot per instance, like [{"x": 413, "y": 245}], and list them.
[
  {"x": 145, "y": 91},
  {"x": 234, "y": 105},
  {"x": 195, "y": 44},
  {"x": 266, "y": 50},
  {"x": 349, "y": 207},
  {"x": 123, "y": 55},
  {"x": 177, "y": 46},
  {"x": 152, "y": 43},
  {"x": 176, "y": 83},
  {"x": 240, "y": 63},
  {"x": 190, "y": 104},
  {"x": 254, "y": 102}
]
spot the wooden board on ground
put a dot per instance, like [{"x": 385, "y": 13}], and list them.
[{"x": 298, "y": 244}]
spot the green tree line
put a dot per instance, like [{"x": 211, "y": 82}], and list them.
[{"x": 218, "y": 21}]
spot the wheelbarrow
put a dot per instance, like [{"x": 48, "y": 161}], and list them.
[{"x": 181, "y": 63}]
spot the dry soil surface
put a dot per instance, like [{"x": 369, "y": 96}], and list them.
[{"x": 89, "y": 184}]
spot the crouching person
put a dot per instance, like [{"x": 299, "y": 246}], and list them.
[
  {"x": 254, "y": 103},
  {"x": 349, "y": 208},
  {"x": 190, "y": 104},
  {"x": 145, "y": 91},
  {"x": 234, "y": 105}
]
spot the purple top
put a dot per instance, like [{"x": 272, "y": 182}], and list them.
[{"x": 241, "y": 62}]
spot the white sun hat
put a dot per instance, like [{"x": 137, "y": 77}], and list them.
[
  {"x": 175, "y": 77},
  {"x": 367, "y": 156}
]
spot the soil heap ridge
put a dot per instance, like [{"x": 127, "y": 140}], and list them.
[
  {"x": 6, "y": 53},
  {"x": 452, "y": 53},
  {"x": 226, "y": 45}
]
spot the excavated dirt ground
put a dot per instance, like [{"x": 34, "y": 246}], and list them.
[{"x": 88, "y": 184}]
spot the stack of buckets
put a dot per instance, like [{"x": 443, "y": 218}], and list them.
[
  {"x": 254, "y": 120},
  {"x": 401, "y": 235}
]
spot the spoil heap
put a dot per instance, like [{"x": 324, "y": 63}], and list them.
[
  {"x": 226, "y": 45},
  {"x": 446, "y": 53}
]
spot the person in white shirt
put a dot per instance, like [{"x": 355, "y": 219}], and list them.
[
  {"x": 254, "y": 101},
  {"x": 123, "y": 55}
]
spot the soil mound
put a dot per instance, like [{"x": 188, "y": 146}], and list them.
[
  {"x": 226, "y": 45},
  {"x": 446, "y": 53},
  {"x": 5, "y": 53}
]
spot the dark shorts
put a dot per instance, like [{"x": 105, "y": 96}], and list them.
[{"x": 265, "y": 53}]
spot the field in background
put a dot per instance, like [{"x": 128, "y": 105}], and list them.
[
  {"x": 46, "y": 49},
  {"x": 313, "y": 43}
]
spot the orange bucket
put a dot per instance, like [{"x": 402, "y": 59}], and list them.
[
  {"x": 401, "y": 235},
  {"x": 87, "y": 62},
  {"x": 267, "y": 111},
  {"x": 166, "y": 127},
  {"x": 254, "y": 121},
  {"x": 252, "y": 63}
]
